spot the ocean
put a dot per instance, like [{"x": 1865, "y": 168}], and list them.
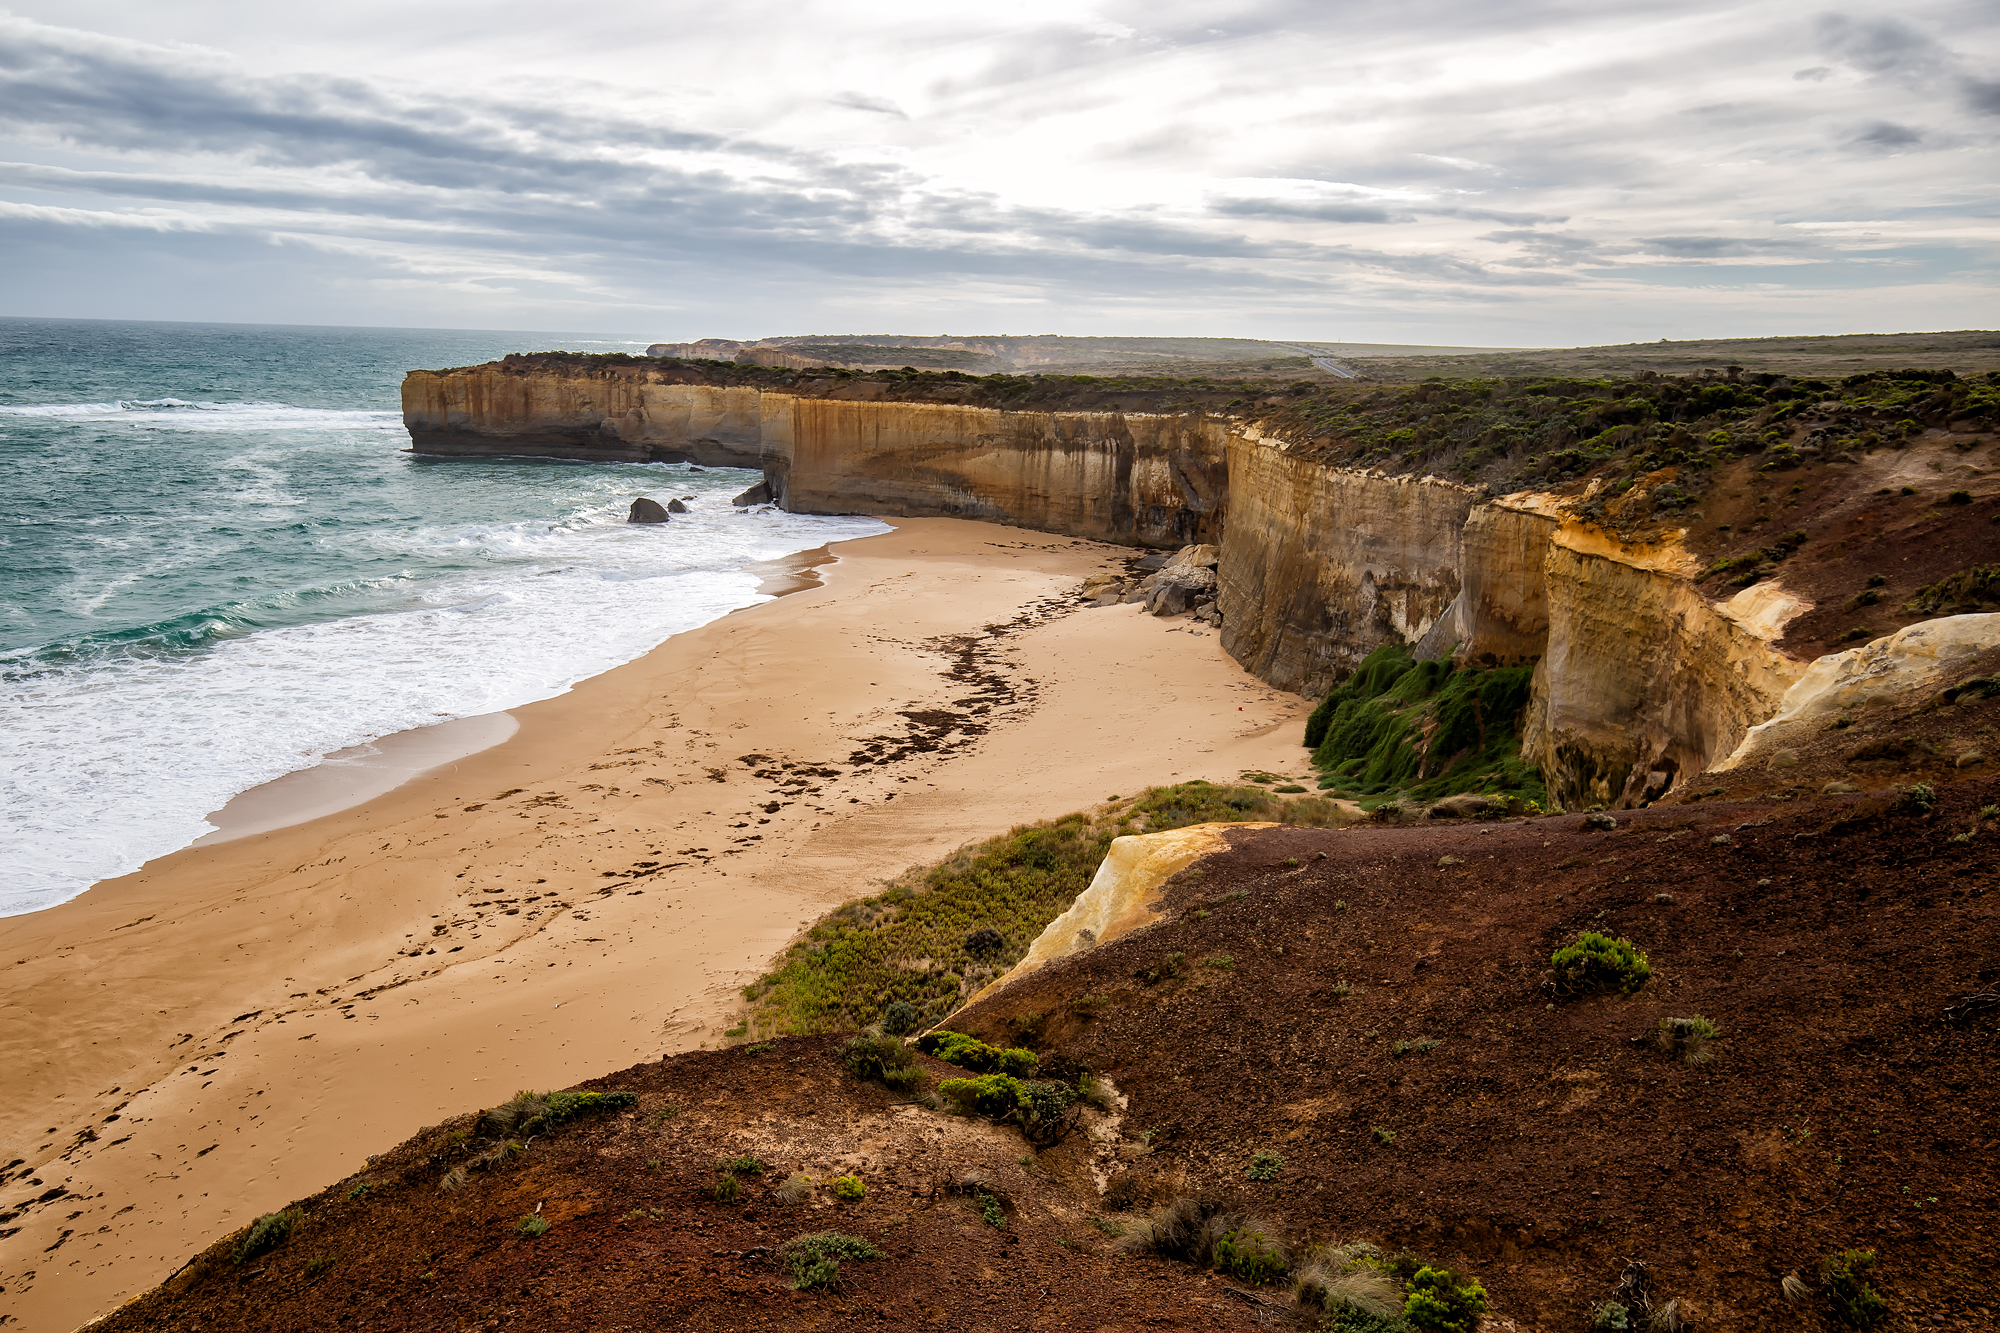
[{"x": 217, "y": 565}]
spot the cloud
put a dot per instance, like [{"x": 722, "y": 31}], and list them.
[
  {"x": 1114, "y": 162},
  {"x": 863, "y": 102},
  {"x": 1888, "y": 134}
]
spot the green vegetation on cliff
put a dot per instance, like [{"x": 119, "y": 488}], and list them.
[
  {"x": 1424, "y": 729},
  {"x": 939, "y": 933}
]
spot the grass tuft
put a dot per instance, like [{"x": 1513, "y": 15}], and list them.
[{"x": 267, "y": 1233}]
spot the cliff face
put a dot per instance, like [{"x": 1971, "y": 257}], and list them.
[
  {"x": 482, "y": 412},
  {"x": 1153, "y": 479},
  {"x": 1641, "y": 678},
  {"x": 1320, "y": 566}
]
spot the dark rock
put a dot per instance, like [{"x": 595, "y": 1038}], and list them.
[
  {"x": 646, "y": 511},
  {"x": 676, "y": 507},
  {"x": 1152, "y": 561},
  {"x": 1597, "y": 819},
  {"x": 760, "y": 494}
]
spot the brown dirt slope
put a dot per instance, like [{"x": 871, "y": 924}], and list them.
[
  {"x": 1544, "y": 1142},
  {"x": 634, "y": 1244}
]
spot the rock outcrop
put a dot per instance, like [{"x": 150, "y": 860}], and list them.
[
  {"x": 647, "y": 511},
  {"x": 1845, "y": 688}
]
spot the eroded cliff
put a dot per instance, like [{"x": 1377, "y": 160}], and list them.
[{"x": 1337, "y": 536}]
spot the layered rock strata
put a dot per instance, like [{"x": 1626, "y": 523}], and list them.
[
  {"x": 1146, "y": 478},
  {"x": 1641, "y": 678}
]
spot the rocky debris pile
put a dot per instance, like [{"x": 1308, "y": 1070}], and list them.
[
  {"x": 648, "y": 511},
  {"x": 1169, "y": 585}
]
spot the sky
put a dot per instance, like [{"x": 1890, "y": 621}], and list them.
[{"x": 1437, "y": 171}]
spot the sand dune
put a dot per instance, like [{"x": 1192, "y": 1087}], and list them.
[{"x": 236, "y": 1024}]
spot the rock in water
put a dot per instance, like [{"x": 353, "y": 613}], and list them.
[
  {"x": 676, "y": 507},
  {"x": 646, "y": 511},
  {"x": 760, "y": 494}
]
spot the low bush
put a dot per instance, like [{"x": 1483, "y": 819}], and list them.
[
  {"x": 1687, "y": 1038},
  {"x": 530, "y": 1113},
  {"x": 1599, "y": 962},
  {"x": 267, "y": 1233},
  {"x": 849, "y": 1189},
  {"x": 319, "y": 1263},
  {"x": 990, "y": 1210},
  {"x": 955, "y": 1048},
  {"x": 532, "y": 1225},
  {"x": 1042, "y": 1111},
  {"x": 1251, "y": 1254},
  {"x": 1439, "y": 1301},
  {"x": 884, "y": 1060},
  {"x": 723, "y": 1189},
  {"x": 901, "y": 1017},
  {"x": 1264, "y": 1165},
  {"x": 745, "y": 1165},
  {"x": 1856, "y": 1303},
  {"x": 814, "y": 1259}
]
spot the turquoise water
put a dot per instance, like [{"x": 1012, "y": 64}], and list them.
[{"x": 217, "y": 565}]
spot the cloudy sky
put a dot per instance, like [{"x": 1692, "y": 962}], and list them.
[{"x": 1456, "y": 171}]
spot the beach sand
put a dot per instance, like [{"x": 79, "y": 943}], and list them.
[{"x": 238, "y": 1024}]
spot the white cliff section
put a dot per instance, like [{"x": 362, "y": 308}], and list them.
[
  {"x": 1891, "y": 670},
  {"x": 1123, "y": 895}
]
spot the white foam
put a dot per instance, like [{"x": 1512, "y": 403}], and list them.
[
  {"x": 111, "y": 764},
  {"x": 209, "y": 418}
]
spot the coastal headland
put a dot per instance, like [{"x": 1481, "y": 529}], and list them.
[{"x": 195, "y": 1043}]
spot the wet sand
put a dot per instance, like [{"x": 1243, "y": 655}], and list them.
[{"x": 238, "y": 1024}]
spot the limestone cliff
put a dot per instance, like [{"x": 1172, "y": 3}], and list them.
[
  {"x": 1155, "y": 479},
  {"x": 1642, "y": 678}
]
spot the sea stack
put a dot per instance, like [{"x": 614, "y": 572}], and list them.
[{"x": 646, "y": 511}]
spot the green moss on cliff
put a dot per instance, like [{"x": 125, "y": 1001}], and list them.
[{"x": 1424, "y": 729}]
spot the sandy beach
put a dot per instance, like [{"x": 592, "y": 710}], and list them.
[{"x": 241, "y": 1022}]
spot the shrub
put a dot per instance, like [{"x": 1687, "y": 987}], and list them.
[
  {"x": 1382, "y": 1135},
  {"x": 1041, "y": 1110},
  {"x": 955, "y": 1048},
  {"x": 530, "y": 1113},
  {"x": 1856, "y": 1303},
  {"x": 1687, "y": 1038},
  {"x": 885, "y": 1060},
  {"x": 268, "y": 1233},
  {"x": 990, "y": 1211},
  {"x": 1250, "y": 1253},
  {"x": 1597, "y": 961},
  {"x": 1440, "y": 1301},
  {"x": 1611, "y": 1317},
  {"x": 849, "y": 1189},
  {"x": 723, "y": 1189},
  {"x": 796, "y": 1189},
  {"x": 745, "y": 1165},
  {"x": 319, "y": 1263},
  {"x": 901, "y": 1017},
  {"x": 814, "y": 1259},
  {"x": 360, "y": 1190},
  {"x": 1221, "y": 962},
  {"x": 532, "y": 1225},
  {"x": 1264, "y": 1165}
]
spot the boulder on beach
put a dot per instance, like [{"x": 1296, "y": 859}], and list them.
[
  {"x": 646, "y": 511},
  {"x": 676, "y": 507},
  {"x": 760, "y": 494}
]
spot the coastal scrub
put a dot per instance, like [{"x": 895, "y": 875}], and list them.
[{"x": 923, "y": 944}]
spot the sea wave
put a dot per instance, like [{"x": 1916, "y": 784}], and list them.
[
  {"x": 209, "y": 417},
  {"x": 116, "y": 744}
]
